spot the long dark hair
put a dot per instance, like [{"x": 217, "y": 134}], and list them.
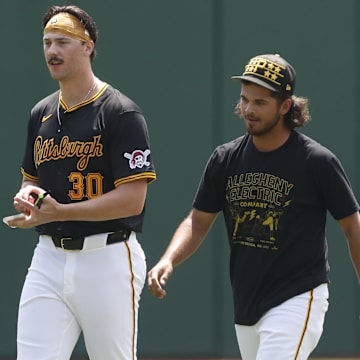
[{"x": 299, "y": 114}]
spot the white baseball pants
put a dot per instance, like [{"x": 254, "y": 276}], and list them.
[
  {"x": 95, "y": 290},
  {"x": 289, "y": 331}
]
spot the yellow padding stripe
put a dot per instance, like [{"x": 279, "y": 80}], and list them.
[
  {"x": 133, "y": 300},
  {"x": 306, "y": 324},
  {"x": 151, "y": 176},
  {"x": 28, "y": 176}
]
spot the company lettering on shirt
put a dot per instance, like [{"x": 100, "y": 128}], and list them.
[{"x": 258, "y": 186}]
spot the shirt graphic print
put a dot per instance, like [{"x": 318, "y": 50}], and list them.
[{"x": 256, "y": 202}]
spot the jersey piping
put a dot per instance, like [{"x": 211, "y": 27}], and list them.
[
  {"x": 146, "y": 175},
  {"x": 83, "y": 103},
  {"x": 133, "y": 302},
  {"x": 29, "y": 177},
  {"x": 305, "y": 325}
]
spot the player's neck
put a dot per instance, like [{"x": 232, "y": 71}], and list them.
[
  {"x": 77, "y": 91},
  {"x": 271, "y": 141}
]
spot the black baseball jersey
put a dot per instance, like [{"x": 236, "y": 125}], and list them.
[
  {"x": 275, "y": 206},
  {"x": 83, "y": 152}
]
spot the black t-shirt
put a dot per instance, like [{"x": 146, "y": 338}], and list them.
[
  {"x": 274, "y": 205},
  {"x": 86, "y": 151}
]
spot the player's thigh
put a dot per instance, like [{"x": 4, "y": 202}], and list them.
[
  {"x": 112, "y": 304},
  {"x": 248, "y": 341},
  {"x": 292, "y": 330},
  {"x": 47, "y": 328}
]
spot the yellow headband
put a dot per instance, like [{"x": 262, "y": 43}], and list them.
[{"x": 68, "y": 25}]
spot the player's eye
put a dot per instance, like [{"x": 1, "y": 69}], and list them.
[
  {"x": 260, "y": 102},
  {"x": 243, "y": 100}
]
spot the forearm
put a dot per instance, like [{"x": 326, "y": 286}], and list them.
[
  {"x": 188, "y": 236},
  {"x": 112, "y": 205},
  {"x": 126, "y": 200},
  {"x": 354, "y": 249},
  {"x": 183, "y": 243},
  {"x": 28, "y": 183},
  {"x": 351, "y": 228}
]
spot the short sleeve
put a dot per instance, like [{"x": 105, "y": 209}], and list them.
[
  {"x": 334, "y": 187},
  {"x": 210, "y": 194},
  {"x": 130, "y": 153}
]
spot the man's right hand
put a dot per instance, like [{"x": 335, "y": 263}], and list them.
[{"x": 158, "y": 277}]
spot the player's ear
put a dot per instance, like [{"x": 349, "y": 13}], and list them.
[
  {"x": 285, "y": 106},
  {"x": 89, "y": 47}
]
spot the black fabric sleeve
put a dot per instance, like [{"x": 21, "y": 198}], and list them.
[
  {"x": 334, "y": 187},
  {"x": 210, "y": 193}
]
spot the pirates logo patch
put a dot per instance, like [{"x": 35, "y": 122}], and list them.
[{"x": 138, "y": 158}]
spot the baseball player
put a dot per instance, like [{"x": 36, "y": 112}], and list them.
[
  {"x": 274, "y": 186},
  {"x": 86, "y": 169}
]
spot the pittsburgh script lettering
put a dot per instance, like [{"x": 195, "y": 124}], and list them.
[{"x": 47, "y": 150}]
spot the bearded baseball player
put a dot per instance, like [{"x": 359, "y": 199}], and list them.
[
  {"x": 274, "y": 187},
  {"x": 86, "y": 169}
]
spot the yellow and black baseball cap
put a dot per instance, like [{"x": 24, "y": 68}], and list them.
[{"x": 270, "y": 71}]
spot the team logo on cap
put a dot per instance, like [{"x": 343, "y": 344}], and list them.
[
  {"x": 266, "y": 69},
  {"x": 138, "y": 158}
]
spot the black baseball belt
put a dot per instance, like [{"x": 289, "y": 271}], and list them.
[{"x": 69, "y": 243}]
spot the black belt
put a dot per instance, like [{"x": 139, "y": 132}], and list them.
[{"x": 69, "y": 243}]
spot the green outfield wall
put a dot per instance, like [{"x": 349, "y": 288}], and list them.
[{"x": 175, "y": 59}]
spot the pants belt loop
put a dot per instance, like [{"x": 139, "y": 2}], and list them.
[{"x": 96, "y": 241}]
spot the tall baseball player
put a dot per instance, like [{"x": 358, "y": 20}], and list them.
[
  {"x": 274, "y": 187},
  {"x": 86, "y": 169}
]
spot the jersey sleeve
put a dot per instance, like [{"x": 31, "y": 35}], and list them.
[
  {"x": 130, "y": 153},
  {"x": 46, "y": 107},
  {"x": 28, "y": 168}
]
